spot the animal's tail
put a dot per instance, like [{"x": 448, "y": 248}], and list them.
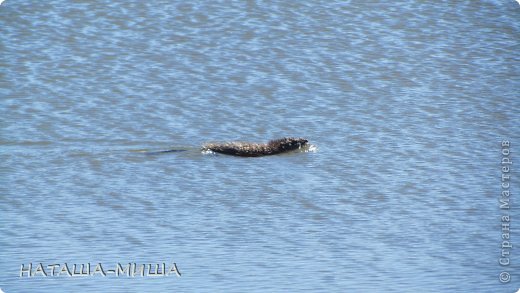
[{"x": 166, "y": 151}]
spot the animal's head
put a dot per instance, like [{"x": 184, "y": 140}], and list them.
[{"x": 288, "y": 143}]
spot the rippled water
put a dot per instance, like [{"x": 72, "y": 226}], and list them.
[{"x": 407, "y": 103}]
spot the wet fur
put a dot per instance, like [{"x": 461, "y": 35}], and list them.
[{"x": 248, "y": 149}]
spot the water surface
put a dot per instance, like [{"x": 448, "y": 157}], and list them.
[{"x": 406, "y": 101}]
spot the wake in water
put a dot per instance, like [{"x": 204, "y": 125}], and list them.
[{"x": 247, "y": 149}]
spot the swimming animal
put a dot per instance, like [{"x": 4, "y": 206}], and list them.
[{"x": 248, "y": 149}]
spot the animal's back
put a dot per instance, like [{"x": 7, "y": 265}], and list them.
[{"x": 247, "y": 149}]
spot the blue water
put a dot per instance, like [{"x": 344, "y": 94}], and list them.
[{"x": 406, "y": 102}]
